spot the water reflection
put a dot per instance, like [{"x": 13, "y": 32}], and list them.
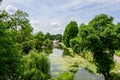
[{"x": 57, "y": 55}]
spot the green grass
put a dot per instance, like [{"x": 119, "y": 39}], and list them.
[
  {"x": 115, "y": 72},
  {"x": 117, "y": 53}
]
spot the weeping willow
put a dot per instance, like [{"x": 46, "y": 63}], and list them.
[{"x": 36, "y": 66}]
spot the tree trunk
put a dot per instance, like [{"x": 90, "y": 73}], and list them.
[{"x": 106, "y": 76}]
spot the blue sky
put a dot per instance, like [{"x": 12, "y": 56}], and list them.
[{"x": 53, "y": 15}]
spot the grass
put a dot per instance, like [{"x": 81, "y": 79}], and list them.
[
  {"x": 117, "y": 53},
  {"x": 115, "y": 72}
]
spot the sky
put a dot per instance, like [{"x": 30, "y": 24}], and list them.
[{"x": 53, "y": 15}]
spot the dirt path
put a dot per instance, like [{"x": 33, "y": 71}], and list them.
[{"x": 117, "y": 59}]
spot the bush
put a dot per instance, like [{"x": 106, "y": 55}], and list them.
[
  {"x": 48, "y": 43},
  {"x": 74, "y": 44},
  {"x": 65, "y": 76},
  {"x": 36, "y": 66}
]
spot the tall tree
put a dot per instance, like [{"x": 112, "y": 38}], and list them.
[
  {"x": 19, "y": 21},
  {"x": 70, "y": 32},
  {"x": 9, "y": 51},
  {"x": 101, "y": 36}
]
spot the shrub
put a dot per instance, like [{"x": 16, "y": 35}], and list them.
[
  {"x": 36, "y": 66},
  {"x": 65, "y": 76}
]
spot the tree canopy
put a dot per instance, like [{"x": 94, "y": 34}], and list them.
[
  {"x": 70, "y": 32},
  {"x": 101, "y": 37}
]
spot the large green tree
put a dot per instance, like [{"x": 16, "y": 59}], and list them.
[
  {"x": 101, "y": 37},
  {"x": 20, "y": 23},
  {"x": 70, "y": 32},
  {"x": 9, "y": 51},
  {"x": 14, "y": 30}
]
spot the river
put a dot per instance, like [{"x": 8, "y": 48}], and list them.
[{"x": 57, "y": 65}]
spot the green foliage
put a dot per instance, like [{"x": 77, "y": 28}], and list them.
[
  {"x": 75, "y": 45},
  {"x": 42, "y": 40},
  {"x": 48, "y": 43},
  {"x": 28, "y": 45},
  {"x": 117, "y": 52},
  {"x": 70, "y": 32},
  {"x": 65, "y": 76},
  {"x": 39, "y": 40},
  {"x": 53, "y": 37},
  {"x": 15, "y": 38},
  {"x": 36, "y": 66},
  {"x": 48, "y": 36},
  {"x": 9, "y": 52},
  {"x": 57, "y": 37},
  {"x": 74, "y": 67},
  {"x": 19, "y": 24},
  {"x": 99, "y": 37}
]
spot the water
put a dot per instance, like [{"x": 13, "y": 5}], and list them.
[{"x": 56, "y": 61}]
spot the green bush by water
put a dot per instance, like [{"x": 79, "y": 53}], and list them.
[
  {"x": 65, "y": 76},
  {"x": 36, "y": 66}
]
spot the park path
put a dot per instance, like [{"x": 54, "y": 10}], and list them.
[{"x": 117, "y": 59}]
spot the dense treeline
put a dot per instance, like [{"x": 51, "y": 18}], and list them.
[
  {"x": 20, "y": 50},
  {"x": 101, "y": 37}
]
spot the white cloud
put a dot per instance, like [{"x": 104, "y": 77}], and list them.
[
  {"x": 10, "y": 9},
  {"x": 58, "y": 30},
  {"x": 56, "y": 23},
  {"x": 36, "y": 25},
  {"x": 26, "y": 3},
  {"x": 34, "y": 22}
]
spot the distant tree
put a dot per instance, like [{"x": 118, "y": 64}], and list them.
[
  {"x": 58, "y": 37},
  {"x": 39, "y": 39},
  {"x": 48, "y": 36},
  {"x": 101, "y": 37},
  {"x": 48, "y": 43},
  {"x": 70, "y": 32}
]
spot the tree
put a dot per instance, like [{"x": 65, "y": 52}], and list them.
[
  {"x": 70, "y": 32},
  {"x": 48, "y": 43},
  {"x": 48, "y": 36},
  {"x": 0, "y": 2},
  {"x": 20, "y": 23},
  {"x": 40, "y": 38},
  {"x": 58, "y": 37},
  {"x": 101, "y": 37},
  {"x": 9, "y": 51}
]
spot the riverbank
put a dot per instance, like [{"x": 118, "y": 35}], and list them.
[
  {"x": 87, "y": 64},
  {"x": 79, "y": 66}
]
